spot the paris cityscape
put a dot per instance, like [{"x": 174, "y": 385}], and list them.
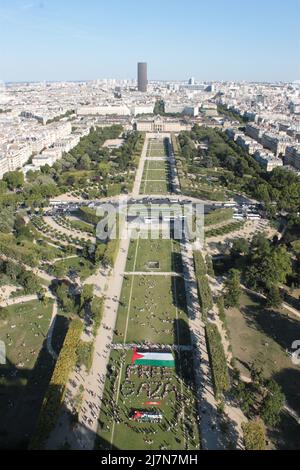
[{"x": 149, "y": 230}]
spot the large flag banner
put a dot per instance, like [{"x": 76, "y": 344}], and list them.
[
  {"x": 145, "y": 416},
  {"x": 155, "y": 359}
]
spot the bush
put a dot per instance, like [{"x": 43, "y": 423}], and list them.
[
  {"x": 97, "y": 312},
  {"x": 254, "y": 435},
  {"x": 84, "y": 354},
  {"x": 216, "y": 232}
]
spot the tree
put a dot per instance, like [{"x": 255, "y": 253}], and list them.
[
  {"x": 262, "y": 192},
  {"x": 232, "y": 289},
  {"x": 14, "y": 179},
  {"x": 3, "y": 187},
  {"x": 7, "y": 219},
  {"x": 268, "y": 265},
  {"x": 12, "y": 270},
  {"x": 274, "y": 299},
  {"x": 86, "y": 294},
  {"x": 84, "y": 162},
  {"x": 29, "y": 281},
  {"x": 239, "y": 247},
  {"x": 210, "y": 267},
  {"x": 254, "y": 435},
  {"x": 62, "y": 292},
  {"x": 100, "y": 252},
  {"x": 272, "y": 404},
  {"x": 103, "y": 169}
]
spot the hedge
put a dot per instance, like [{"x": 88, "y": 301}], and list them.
[
  {"x": 218, "y": 216},
  {"x": 254, "y": 435},
  {"x": 209, "y": 266},
  {"x": 217, "y": 359},
  {"x": 215, "y": 232},
  {"x": 55, "y": 393},
  {"x": 205, "y": 295},
  {"x": 89, "y": 215},
  {"x": 200, "y": 266}
]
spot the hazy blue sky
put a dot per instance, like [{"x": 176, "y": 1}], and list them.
[{"x": 207, "y": 39}]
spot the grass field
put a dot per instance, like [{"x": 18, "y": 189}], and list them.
[
  {"x": 75, "y": 267},
  {"x": 23, "y": 377},
  {"x": 165, "y": 252},
  {"x": 152, "y": 308},
  {"x": 157, "y": 165},
  {"x": 156, "y": 149},
  {"x": 262, "y": 336},
  {"x": 154, "y": 187},
  {"x": 156, "y": 174},
  {"x": 128, "y": 387}
]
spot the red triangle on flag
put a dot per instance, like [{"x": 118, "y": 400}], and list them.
[{"x": 136, "y": 355}]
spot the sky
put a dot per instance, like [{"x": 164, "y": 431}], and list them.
[{"x": 251, "y": 40}]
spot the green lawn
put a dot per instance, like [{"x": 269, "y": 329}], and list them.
[
  {"x": 156, "y": 175},
  {"x": 156, "y": 149},
  {"x": 157, "y": 165},
  {"x": 165, "y": 252},
  {"x": 152, "y": 308},
  {"x": 20, "y": 328},
  {"x": 172, "y": 387},
  {"x": 23, "y": 377},
  {"x": 154, "y": 187},
  {"x": 82, "y": 267}
]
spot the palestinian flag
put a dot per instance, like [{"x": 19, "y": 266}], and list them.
[{"x": 155, "y": 359}]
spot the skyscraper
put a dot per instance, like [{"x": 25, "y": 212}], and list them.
[{"x": 142, "y": 77}]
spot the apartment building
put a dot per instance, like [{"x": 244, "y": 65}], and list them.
[
  {"x": 3, "y": 165},
  {"x": 267, "y": 160},
  {"x": 292, "y": 156},
  {"x": 277, "y": 143},
  {"x": 254, "y": 131}
]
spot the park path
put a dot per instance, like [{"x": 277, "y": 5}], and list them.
[{"x": 18, "y": 300}]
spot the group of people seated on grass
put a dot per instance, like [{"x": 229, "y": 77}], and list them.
[{"x": 158, "y": 383}]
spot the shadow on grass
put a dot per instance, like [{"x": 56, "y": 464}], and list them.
[
  {"x": 279, "y": 326},
  {"x": 22, "y": 392},
  {"x": 21, "y": 399}
]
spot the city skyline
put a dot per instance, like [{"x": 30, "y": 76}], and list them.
[{"x": 56, "y": 42}]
